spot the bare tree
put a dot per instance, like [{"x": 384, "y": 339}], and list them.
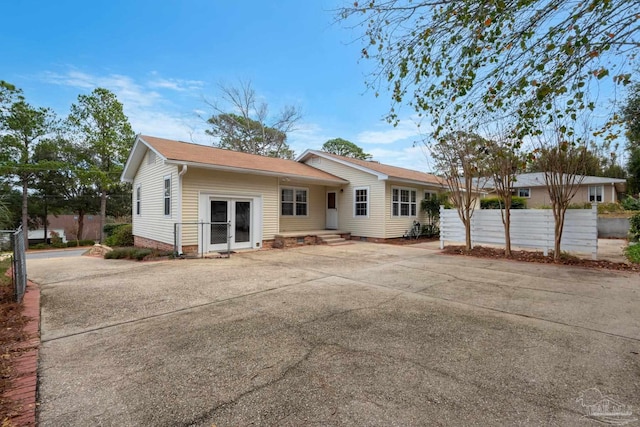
[
  {"x": 459, "y": 159},
  {"x": 562, "y": 158},
  {"x": 243, "y": 123}
]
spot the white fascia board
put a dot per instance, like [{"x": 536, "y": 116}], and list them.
[
  {"x": 135, "y": 158},
  {"x": 306, "y": 154},
  {"x": 293, "y": 177},
  {"x": 421, "y": 183}
]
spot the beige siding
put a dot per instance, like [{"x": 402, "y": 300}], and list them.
[
  {"x": 152, "y": 223},
  {"x": 197, "y": 181},
  {"x": 315, "y": 219},
  {"x": 398, "y": 225},
  {"x": 539, "y": 196},
  {"x": 374, "y": 224}
]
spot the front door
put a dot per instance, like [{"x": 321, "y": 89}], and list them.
[
  {"x": 332, "y": 211},
  {"x": 230, "y": 224}
]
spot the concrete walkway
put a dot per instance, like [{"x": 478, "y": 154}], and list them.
[{"x": 363, "y": 334}]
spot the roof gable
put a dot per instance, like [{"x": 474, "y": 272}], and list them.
[
  {"x": 196, "y": 155},
  {"x": 381, "y": 170}
]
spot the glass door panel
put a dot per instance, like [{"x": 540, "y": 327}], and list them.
[
  {"x": 219, "y": 215},
  {"x": 242, "y": 222}
]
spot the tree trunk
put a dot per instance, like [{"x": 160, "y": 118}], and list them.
[
  {"x": 46, "y": 223},
  {"x": 467, "y": 233},
  {"x": 103, "y": 213},
  {"x": 558, "y": 235},
  {"x": 79, "y": 234},
  {"x": 507, "y": 230},
  {"x": 25, "y": 213}
]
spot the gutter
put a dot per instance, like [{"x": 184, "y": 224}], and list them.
[{"x": 179, "y": 216}]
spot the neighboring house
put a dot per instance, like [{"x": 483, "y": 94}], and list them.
[
  {"x": 91, "y": 226},
  {"x": 177, "y": 185},
  {"x": 37, "y": 236},
  {"x": 596, "y": 189}
]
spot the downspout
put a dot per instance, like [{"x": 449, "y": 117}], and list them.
[{"x": 179, "y": 216}]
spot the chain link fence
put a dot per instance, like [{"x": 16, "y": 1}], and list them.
[
  {"x": 212, "y": 236},
  {"x": 12, "y": 246}
]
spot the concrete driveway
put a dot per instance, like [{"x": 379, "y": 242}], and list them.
[{"x": 362, "y": 334}]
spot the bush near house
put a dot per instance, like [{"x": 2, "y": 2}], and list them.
[
  {"x": 630, "y": 204},
  {"x": 634, "y": 228},
  {"x": 496, "y": 202},
  {"x": 610, "y": 208},
  {"x": 109, "y": 229},
  {"x": 121, "y": 236},
  {"x": 136, "y": 253}
]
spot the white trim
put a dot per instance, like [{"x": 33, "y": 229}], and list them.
[
  {"x": 138, "y": 200},
  {"x": 136, "y": 156},
  {"x": 596, "y": 195},
  {"x": 381, "y": 176},
  {"x": 355, "y": 189},
  {"x": 295, "y": 177},
  {"x": 399, "y": 202},
  {"x": 164, "y": 196},
  {"x": 295, "y": 202},
  {"x": 528, "y": 192}
]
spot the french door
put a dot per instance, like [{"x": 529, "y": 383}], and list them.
[{"x": 230, "y": 223}]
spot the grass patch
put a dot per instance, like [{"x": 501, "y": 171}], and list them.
[
  {"x": 138, "y": 254},
  {"x": 632, "y": 252}
]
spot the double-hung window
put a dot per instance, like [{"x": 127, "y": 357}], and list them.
[
  {"x": 294, "y": 201},
  {"x": 524, "y": 192},
  {"x": 361, "y": 201},
  {"x": 138, "y": 199},
  {"x": 403, "y": 202},
  {"x": 595, "y": 193},
  {"x": 167, "y": 195}
]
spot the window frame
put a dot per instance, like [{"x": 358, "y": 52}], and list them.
[
  {"x": 601, "y": 187},
  {"x": 138, "y": 200},
  {"x": 412, "y": 205},
  {"x": 356, "y": 202},
  {"x": 528, "y": 196},
  {"x": 294, "y": 202},
  {"x": 166, "y": 197}
]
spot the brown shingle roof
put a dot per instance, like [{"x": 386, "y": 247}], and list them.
[
  {"x": 205, "y": 155},
  {"x": 392, "y": 171}
]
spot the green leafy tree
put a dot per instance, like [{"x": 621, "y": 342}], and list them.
[
  {"x": 250, "y": 128},
  {"x": 631, "y": 118},
  {"x": 23, "y": 127},
  {"x": 342, "y": 147},
  {"x": 460, "y": 159},
  {"x": 461, "y": 60},
  {"x": 99, "y": 125}
]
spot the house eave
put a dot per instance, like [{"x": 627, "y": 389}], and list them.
[
  {"x": 308, "y": 153},
  {"x": 291, "y": 177}
]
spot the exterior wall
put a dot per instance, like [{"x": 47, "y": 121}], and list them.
[
  {"x": 197, "y": 181},
  {"x": 152, "y": 223},
  {"x": 316, "y": 209},
  {"x": 398, "y": 225},
  {"x": 144, "y": 242},
  {"x": 540, "y": 195},
  {"x": 374, "y": 224}
]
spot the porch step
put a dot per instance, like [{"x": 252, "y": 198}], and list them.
[{"x": 332, "y": 239}]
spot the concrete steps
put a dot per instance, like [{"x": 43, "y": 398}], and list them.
[{"x": 333, "y": 239}]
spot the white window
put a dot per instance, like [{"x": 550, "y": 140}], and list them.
[
  {"x": 403, "y": 202},
  {"x": 361, "y": 201},
  {"x": 428, "y": 195},
  {"x": 595, "y": 193},
  {"x": 138, "y": 199},
  {"x": 524, "y": 192},
  {"x": 294, "y": 201},
  {"x": 167, "y": 195}
]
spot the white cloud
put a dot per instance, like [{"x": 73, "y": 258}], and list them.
[
  {"x": 179, "y": 85},
  {"x": 412, "y": 157},
  {"x": 406, "y": 129}
]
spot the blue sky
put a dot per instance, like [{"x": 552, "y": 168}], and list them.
[{"x": 163, "y": 58}]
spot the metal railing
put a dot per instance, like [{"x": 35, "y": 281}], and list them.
[
  {"x": 13, "y": 240},
  {"x": 205, "y": 234}
]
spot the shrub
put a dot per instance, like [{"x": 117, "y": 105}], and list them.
[
  {"x": 634, "y": 227},
  {"x": 135, "y": 253},
  {"x": 122, "y": 236},
  {"x": 609, "y": 207},
  {"x": 76, "y": 243},
  {"x": 39, "y": 246},
  {"x": 110, "y": 229},
  {"x": 56, "y": 241},
  {"x": 632, "y": 252},
  {"x": 496, "y": 202},
  {"x": 631, "y": 204},
  {"x": 585, "y": 205}
]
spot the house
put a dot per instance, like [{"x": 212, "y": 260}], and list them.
[
  {"x": 184, "y": 194},
  {"x": 592, "y": 189},
  {"x": 69, "y": 223}
]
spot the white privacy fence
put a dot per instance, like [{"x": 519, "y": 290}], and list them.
[{"x": 530, "y": 228}]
